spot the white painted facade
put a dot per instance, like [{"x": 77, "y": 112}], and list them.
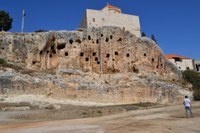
[
  {"x": 111, "y": 17},
  {"x": 183, "y": 64}
]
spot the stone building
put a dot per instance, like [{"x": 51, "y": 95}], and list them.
[
  {"x": 111, "y": 16},
  {"x": 181, "y": 62}
]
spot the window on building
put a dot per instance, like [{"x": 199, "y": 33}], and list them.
[
  {"x": 178, "y": 59},
  {"x": 187, "y": 68},
  {"x": 93, "y": 19},
  {"x": 123, "y": 28}
]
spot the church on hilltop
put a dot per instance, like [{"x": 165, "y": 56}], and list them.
[{"x": 111, "y": 16}]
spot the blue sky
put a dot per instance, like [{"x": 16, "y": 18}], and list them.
[{"x": 175, "y": 23}]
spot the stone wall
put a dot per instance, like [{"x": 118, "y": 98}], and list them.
[{"x": 95, "y": 18}]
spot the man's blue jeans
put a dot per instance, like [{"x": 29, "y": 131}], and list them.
[{"x": 190, "y": 110}]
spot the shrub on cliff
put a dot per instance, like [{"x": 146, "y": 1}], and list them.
[
  {"x": 2, "y": 61},
  {"x": 194, "y": 78}
]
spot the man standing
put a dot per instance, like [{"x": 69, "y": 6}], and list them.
[{"x": 187, "y": 105}]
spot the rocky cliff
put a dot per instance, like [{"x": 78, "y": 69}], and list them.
[{"x": 104, "y": 65}]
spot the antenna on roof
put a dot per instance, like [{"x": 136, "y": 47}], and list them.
[{"x": 23, "y": 15}]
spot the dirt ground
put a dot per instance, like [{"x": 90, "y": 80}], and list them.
[{"x": 132, "y": 119}]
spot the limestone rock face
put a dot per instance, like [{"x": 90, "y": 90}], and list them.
[
  {"x": 103, "y": 50},
  {"x": 103, "y": 65}
]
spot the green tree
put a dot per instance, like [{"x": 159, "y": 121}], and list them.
[
  {"x": 194, "y": 78},
  {"x": 5, "y": 21},
  {"x": 153, "y": 38},
  {"x": 143, "y": 34}
]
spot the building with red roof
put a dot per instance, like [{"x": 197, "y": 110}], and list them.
[
  {"x": 173, "y": 56},
  {"x": 110, "y": 8},
  {"x": 181, "y": 62}
]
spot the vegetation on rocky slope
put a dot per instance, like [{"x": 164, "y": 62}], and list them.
[
  {"x": 2, "y": 61},
  {"x": 194, "y": 78}
]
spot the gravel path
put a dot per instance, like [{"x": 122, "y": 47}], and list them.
[{"x": 170, "y": 119}]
